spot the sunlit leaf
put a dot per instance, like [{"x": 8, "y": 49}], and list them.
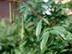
[
  {"x": 46, "y": 21},
  {"x": 38, "y": 29},
  {"x": 44, "y": 40}
]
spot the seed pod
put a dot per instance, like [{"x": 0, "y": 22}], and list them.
[
  {"x": 10, "y": 12},
  {"x": 22, "y": 32}
]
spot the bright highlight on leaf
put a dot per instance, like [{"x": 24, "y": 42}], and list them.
[
  {"x": 38, "y": 29},
  {"x": 46, "y": 21},
  {"x": 44, "y": 40}
]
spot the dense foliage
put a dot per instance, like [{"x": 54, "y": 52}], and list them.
[{"x": 36, "y": 32}]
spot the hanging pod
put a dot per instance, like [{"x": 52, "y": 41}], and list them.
[
  {"x": 22, "y": 32},
  {"x": 10, "y": 12}
]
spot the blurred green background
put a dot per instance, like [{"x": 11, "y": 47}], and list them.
[{"x": 57, "y": 18}]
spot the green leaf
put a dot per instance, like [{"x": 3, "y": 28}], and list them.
[
  {"x": 44, "y": 40},
  {"x": 25, "y": 16},
  {"x": 47, "y": 29},
  {"x": 0, "y": 48},
  {"x": 64, "y": 50},
  {"x": 38, "y": 29},
  {"x": 64, "y": 10},
  {"x": 60, "y": 28},
  {"x": 55, "y": 47},
  {"x": 32, "y": 4},
  {"x": 35, "y": 21},
  {"x": 58, "y": 9},
  {"x": 42, "y": 51},
  {"x": 55, "y": 32},
  {"x": 46, "y": 21}
]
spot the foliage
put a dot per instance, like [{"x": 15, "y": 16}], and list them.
[{"x": 44, "y": 34}]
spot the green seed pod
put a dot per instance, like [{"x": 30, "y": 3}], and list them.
[
  {"x": 10, "y": 12},
  {"x": 22, "y": 32}
]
